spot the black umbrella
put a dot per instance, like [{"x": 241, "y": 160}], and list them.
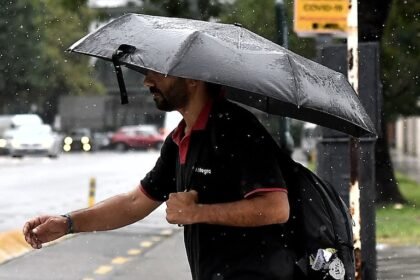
[{"x": 255, "y": 71}]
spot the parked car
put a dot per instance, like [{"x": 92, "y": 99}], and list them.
[
  {"x": 33, "y": 140},
  {"x": 8, "y": 122},
  {"x": 137, "y": 137},
  {"x": 102, "y": 140},
  {"x": 79, "y": 139}
]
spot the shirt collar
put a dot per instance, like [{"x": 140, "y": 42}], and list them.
[{"x": 200, "y": 123}]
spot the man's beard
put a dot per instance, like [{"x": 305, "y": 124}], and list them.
[{"x": 172, "y": 100}]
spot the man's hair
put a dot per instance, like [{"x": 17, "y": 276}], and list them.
[{"x": 213, "y": 89}]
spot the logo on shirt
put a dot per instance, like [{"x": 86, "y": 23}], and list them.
[{"x": 204, "y": 171}]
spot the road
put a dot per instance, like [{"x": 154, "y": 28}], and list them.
[
  {"x": 36, "y": 185},
  {"x": 150, "y": 249}
]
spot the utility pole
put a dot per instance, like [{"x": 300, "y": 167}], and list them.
[
  {"x": 353, "y": 77},
  {"x": 194, "y": 8},
  {"x": 281, "y": 18},
  {"x": 282, "y": 40}
]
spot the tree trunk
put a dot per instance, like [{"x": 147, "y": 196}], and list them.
[{"x": 386, "y": 185}]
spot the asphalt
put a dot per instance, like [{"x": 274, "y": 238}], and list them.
[{"x": 167, "y": 260}]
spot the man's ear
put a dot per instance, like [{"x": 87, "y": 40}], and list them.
[{"x": 191, "y": 82}]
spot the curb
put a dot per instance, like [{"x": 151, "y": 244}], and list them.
[{"x": 12, "y": 245}]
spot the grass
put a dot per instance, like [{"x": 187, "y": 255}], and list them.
[{"x": 398, "y": 224}]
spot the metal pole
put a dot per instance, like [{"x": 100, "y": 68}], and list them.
[
  {"x": 353, "y": 77},
  {"x": 194, "y": 8},
  {"x": 92, "y": 190},
  {"x": 283, "y": 40}
]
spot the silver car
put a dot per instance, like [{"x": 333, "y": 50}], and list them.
[{"x": 33, "y": 140}]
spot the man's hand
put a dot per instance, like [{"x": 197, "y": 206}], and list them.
[
  {"x": 44, "y": 229},
  {"x": 182, "y": 208}
]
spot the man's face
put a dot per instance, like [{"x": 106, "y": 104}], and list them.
[{"x": 169, "y": 93}]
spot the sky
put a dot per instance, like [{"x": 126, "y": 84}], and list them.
[{"x": 111, "y": 3}]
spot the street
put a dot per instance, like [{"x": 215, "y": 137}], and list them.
[
  {"x": 150, "y": 249},
  {"x": 37, "y": 185}
]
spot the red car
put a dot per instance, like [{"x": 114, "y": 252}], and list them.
[{"x": 137, "y": 137}]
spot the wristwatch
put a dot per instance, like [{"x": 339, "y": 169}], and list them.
[{"x": 69, "y": 223}]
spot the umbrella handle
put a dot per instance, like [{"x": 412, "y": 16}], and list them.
[
  {"x": 122, "y": 50},
  {"x": 121, "y": 84}
]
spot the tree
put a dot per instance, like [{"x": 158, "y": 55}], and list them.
[
  {"x": 35, "y": 68},
  {"x": 400, "y": 55},
  {"x": 259, "y": 17},
  {"x": 19, "y": 53},
  {"x": 194, "y": 9}
]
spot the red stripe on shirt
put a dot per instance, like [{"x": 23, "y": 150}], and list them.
[
  {"x": 143, "y": 190},
  {"x": 266, "y": 190}
]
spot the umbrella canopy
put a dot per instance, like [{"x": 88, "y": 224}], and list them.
[{"x": 255, "y": 71}]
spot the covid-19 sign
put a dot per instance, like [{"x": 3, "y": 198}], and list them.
[{"x": 313, "y": 17}]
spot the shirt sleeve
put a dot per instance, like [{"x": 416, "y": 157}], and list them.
[
  {"x": 160, "y": 181},
  {"x": 259, "y": 167}
]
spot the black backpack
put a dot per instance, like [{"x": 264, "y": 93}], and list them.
[{"x": 319, "y": 226}]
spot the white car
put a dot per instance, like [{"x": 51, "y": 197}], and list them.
[
  {"x": 33, "y": 140},
  {"x": 309, "y": 139},
  {"x": 8, "y": 122}
]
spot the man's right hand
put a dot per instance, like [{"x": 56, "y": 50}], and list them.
[{"x": 44, "y": 229}]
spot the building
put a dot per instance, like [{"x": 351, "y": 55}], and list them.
[{"x": 407, "y": 136}]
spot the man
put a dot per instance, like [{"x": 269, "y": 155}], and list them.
[{"x": 219, "y": 177}]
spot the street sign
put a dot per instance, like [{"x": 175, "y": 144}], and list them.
[{"x": 314, "y": 17}]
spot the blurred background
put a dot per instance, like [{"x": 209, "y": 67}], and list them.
[
  {"x": 78, "y": 96},
  {"x": 65, "y": 106}
]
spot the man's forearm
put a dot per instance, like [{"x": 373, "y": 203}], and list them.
[
  {"x": 258, "y": 211},
  {"x": 262, "y": 209},
  {"x": 112, "y": 213}
]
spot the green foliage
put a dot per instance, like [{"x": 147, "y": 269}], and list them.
[
  {"x": 257, "y": 16},
  {"x": 19, "y": 51},
  {"x": 34, "y": 68},
  {"x": 260, "y": 17},
  {"x": 397, "y": 223},
  {"x": 400, "y": 59},
  {"x": 196, "y": 9}
]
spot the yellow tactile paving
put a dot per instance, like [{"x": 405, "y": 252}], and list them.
[
  {"x": 133, "y": 252},
  {"x": 156, "y": 238},
  {"x": 146, "y": 244},
  {"x": 103, "y": 269},
  {"x": 12, "y": 244},
  {"x": 120, "y": 260},
  {"x": 166, "y": 232}
]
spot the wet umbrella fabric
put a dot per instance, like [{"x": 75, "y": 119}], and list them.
[{"x": 255, "y": 71}]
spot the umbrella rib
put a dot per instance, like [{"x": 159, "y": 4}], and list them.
[
  {"x": 240, "y": 39},
  {"x": 186, "y": 45},
  {"x": 292, "y": 66}
]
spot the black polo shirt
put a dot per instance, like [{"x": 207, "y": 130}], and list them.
[{"x": 228, "y": 156}]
